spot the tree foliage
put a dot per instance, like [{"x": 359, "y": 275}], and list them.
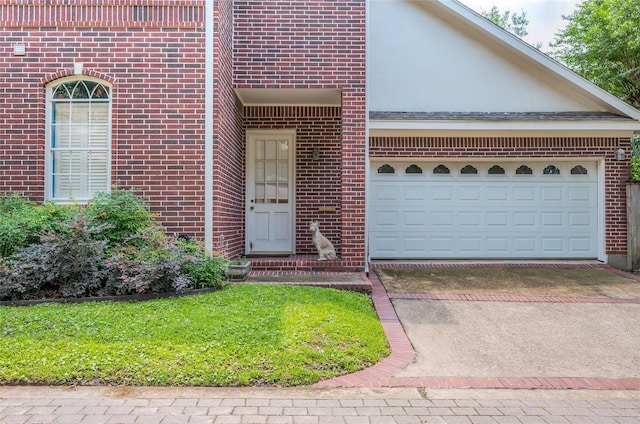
[
  {"x": 602, "y": 43},
  {"x": 511, "y": 21}
]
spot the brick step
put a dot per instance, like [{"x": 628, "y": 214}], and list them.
[{"x": 306, "y": 263}]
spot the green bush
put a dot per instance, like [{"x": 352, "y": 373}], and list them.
[
  {"x": 635, "y": 169},
  {"x": 207, "y": 272},
  {"x": 123, "y": 211},
  {"x": 64, "y": 264},
  {"x": 16, "y": 225},
  {"x": 635, "y": 158},
  {"x": 113, "y": 246},
  {"x": 23, "y": 221},
  {"x": 156, "y": 262},
  {"x": 152, "y": 262}
]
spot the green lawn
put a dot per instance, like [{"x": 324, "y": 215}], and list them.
[{"x": 242, "y": 335}]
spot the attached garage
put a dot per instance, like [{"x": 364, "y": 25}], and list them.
[
  {"x": 494, "y": 209},
  {"x": 482, "y": 147}
]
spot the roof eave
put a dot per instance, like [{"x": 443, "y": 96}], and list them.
[{"x": 592, "y": 128}]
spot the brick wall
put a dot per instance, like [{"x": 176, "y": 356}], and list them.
[
  {"x": 152, "y": 54},
  {"x": 318, "y": 182},
  {"x": 616, "y": 172},
  {"x": 229, "y": 143},
  {"x": 314, "y": 44}
]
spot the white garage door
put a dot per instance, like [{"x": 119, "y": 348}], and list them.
[{"x": 456, "y": 210}]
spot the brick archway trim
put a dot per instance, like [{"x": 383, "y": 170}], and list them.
[{"x": 69, "y": 72}]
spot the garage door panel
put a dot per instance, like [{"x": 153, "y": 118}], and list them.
[
  {"x": 414, "y": 193},
  {"x": 415, "y": 246},
  {"x": 584, "y": 194},
  {"x": 414, "y": 219},
  {"x": 579, "y": 244},
  {"x": 498, "y": 246},
  {"x": 524, "y": 193},
  {"x": 469, "y": 193},
  {"x": 525, "y": 246},
  {"x": 552, "y": 245},
  {"x": 524, "y": 219},
  {"x": 497, "y": 219},
  {"x": 442, "y": 245},
  {"x": 386, "y": 193},
  {"x": 484, "y": 216},
  {"x": 552, "y": 219},
  {"x": 469, "y": 219},
  {"x": 387, "y": 246},
  {"x": 499, "y": 194},
  {"x": 440, "y": 193},
  {"x": 440, "y": 218},
  {"x": 386, "y": 219},
  {"x": 551, "y": 193},
  {"x": 581, "y": 219},
  {"x": 471, "y": 245}
]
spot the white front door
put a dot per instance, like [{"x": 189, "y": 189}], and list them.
[{"x": 270, "y": 191}]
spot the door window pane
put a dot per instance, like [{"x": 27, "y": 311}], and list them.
[{"x": 272, "y": 171}]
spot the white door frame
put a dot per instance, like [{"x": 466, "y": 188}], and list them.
[{"x": 251, "y": 136}]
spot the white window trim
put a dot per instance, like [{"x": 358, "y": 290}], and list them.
[{"x": 48, "y": 138}]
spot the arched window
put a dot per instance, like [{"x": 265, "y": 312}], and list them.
[
  {"x": 579, "y": 170},
  {"x": 551, "y": 170},
  {"x": 78, "y": 139},
  {"x": 413, "y": 169},
  {"x": 441, "y": 169},
  {"x": 524, "y": 170},
  {"x": 496, "y": 170},
  {"x": 386, "y": 169},
  {"x": 469, "y": 169}
]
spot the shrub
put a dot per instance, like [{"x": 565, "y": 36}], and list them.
[
  {"x": 123, "y": 211},
  {"x": 155, "y": 262},
  {"x": 112, "y": 246},
  {"x": 16, "y": 226},
  {"x": 635, "y": 169},
  {"x": 68, "y": 264},
  {"x": 127, "y": 276},
  {"x": 207, "y": 271},
  {"x": 635, "y": 158},
  {"x": 23, "y": 221}
]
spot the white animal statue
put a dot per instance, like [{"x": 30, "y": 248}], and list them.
[{"x": 326, "y": 251}]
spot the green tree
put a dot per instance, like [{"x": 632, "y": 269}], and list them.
[
  {"x": 601, "y": 42},
  {"x": 511, "y": 21}
]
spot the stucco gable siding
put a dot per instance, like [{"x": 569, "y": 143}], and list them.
[{"x": 425, "y": 57}]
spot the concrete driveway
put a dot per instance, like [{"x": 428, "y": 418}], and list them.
[
  {"x": 504, "y": 339},
  {"x": 521, "y": 336}
]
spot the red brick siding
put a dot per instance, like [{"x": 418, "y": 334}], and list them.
[
  {"x": 85, "y": 13},
  {"x": 318, "y": 183},
  {"x": 157, "y": 71},
  {"x": 616, "y": 172},
  {"x": 314, "y": 44},
  {"x": 229, "y": 143}
]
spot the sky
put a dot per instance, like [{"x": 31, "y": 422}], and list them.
[{"x": 545, "y": 16}]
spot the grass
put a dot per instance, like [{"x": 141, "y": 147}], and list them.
[{"x": 242, "y": 335}]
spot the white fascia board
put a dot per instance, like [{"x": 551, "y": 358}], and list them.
[
  {"x": 471, "y": 17},
  {"x": 532, "y": 128}
]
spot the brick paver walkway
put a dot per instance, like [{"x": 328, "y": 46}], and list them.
[{"x": 216, "y": 406}]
